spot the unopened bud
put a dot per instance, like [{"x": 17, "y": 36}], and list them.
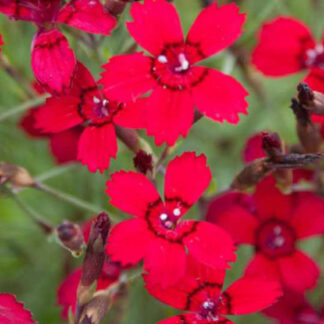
[
  {"x": 143, "y": 162},
  {"x": 307, "y": 132},
  {"x": 253, "y": 173},
  {"x": 312, "y": 101},
  {"x": 16, "y": 175},
  {"x": 272, "y": 145},
  {"x": 71, "y": 237},
  {"x": 116, "y": 7},
  {"x": 95, "y": 256}
]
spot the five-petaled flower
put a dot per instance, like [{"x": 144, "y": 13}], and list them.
[
  {"x": 287, "y": 46},
  {"x": 293, "y": 308},
  {"x": 85, "y": 104},
  {"x": 171, "y": 73},
  {"x": 157, "y": 234},
  {"x": 53, "y": 61},
  {"x": 200, "y": 292},
  {"x": 273, "y": 223}
]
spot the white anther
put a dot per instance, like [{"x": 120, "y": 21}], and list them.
[
  {"x": 96, "y": 100},
  {"x": 319, "y": 48},
  {"x": 176, "y": 212},
  {"x": 163, "y": 217},
  {"x": 105, "y": 102},
  {"x": 184, "y": 63},
  {"x": 279, "y": 241},
  {"x": 162, "y": 59}
]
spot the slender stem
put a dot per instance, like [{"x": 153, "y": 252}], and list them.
[
  {"x": 33, "y": 215},
  {"x": 55, "y": 172},
  {"x": 21, "y": 108},
  {"x": 69, "y": 198}
]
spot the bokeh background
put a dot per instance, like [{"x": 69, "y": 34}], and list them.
[{"x": 32, "y": 265}]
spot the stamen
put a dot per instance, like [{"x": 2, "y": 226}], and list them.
[
  {"x": 96, "y": 100},
  {"x": 184, "y": 63},
  {"x": 163, "y": 217},
  {"x": 162, "y": 59},
  {"x": 176, "y": 212}
]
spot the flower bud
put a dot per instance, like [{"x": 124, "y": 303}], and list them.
[
  {"x": 71, "y": 237},
  {"x": 312, "y": 101},
  {"x": 16, "y": 175},
  {"x": 307, "y": 132},
  {"x": 253, "y": 173},
  {"x": 272, "y": 145},
  {"x": 143, "y": 162}
]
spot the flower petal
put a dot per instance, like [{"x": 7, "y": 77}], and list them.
[
  {"x": 64, "y": 145},
  {"x": 169, "y": 115},
  {"x": 281, "y": 45},
  {"x": 250, "y": 294},
  {"x": 165, "y": 263},
  {"x": 89, "y": 16},
  {"x": 97, "y": 145},
  {"x": 233, "y": 212},
  {"x": 216, "y": 28},
  {"x": 308, "y": 214},
  {"x": 58, "y": 114},
  {"x": 263, "y": 267},
  {"x": 270, "y": 202},
  {"x": 13, "y": 312},
  {"x": 315, "y": 79},
  {"x": 127, "y": 76},
  {"x": 219, "y": 96},
  {"x": 128, "y": 242},
  {"x": 253, "y": 149},
  {"x": 131, "y": 192},
  {"x": 210, "y": 245},
  {"x": 187, "y": 177},
  {"x": 132, "y": 114},
  {"x": 298, "y": 271},
  {"x": 155, "y": 24},
  {"x": 53, "y": 61}
]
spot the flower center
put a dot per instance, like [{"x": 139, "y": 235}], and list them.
[
  {"x": 307, "y": 316},
  {"x": 315, "y": 57},
  {"x": 209, "y": 310},
  {"x": 172, "y": 68},
  {"x": 169, "y": 219},
  {"x": 275, "y": 238}
]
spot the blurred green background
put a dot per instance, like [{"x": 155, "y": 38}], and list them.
[{"x": 31, "y": 264}]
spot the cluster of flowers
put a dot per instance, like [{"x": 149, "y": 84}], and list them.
[{"x": 185, "y": 261}]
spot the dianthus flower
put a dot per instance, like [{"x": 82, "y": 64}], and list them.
[
  {"x": 63, "y": 145},
  {"x": 293, "y": 308},
  {"x": 52, "y": 59},
  {"x": 273, "y": 223},
  {"x": 177, "y": 83},
  {"x": 85, "y": 104},
  {"x": 286, "y": 46},
  {"x": 200, "y": 292},
  {"x": 157, "y": 234},
  {"x": 13, "y": 312}
]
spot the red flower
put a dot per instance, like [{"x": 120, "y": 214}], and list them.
[
  {"x": 200, "y": 293},
  {"x": 287, "y": 46},
  {"x": 53, "y": 61},
  {"x": 157, "y": 234},
  {"x": 63, "y": 145},
  {"x": 13, "y": 312},
  {"x": 171, "y": 72},
  {"x": 293, "y": 308},
  {"x": 274, "y": 223},
  {"x": 86, "y": 104}
]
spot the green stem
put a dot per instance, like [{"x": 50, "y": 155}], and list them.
[
  {"x": 21, "y": 108},
  {"x": 33, "y": 215},
  {"x": 55, "y": 172},
  {"x": 71, "y": 199}
]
